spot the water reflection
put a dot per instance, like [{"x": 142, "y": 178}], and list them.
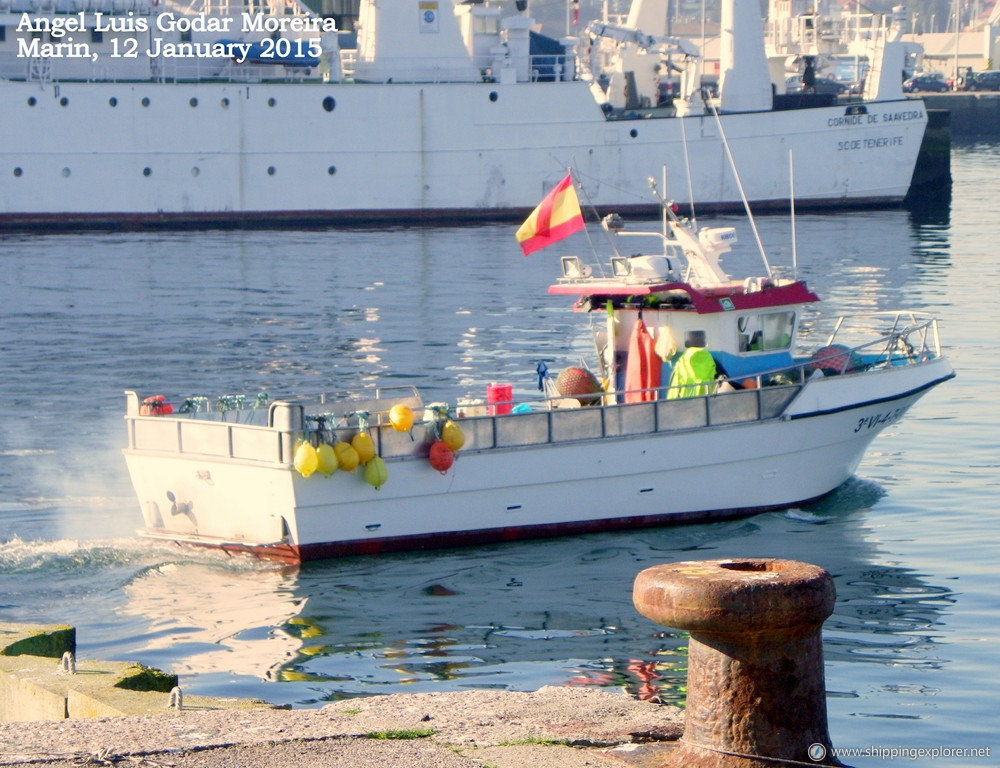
[{"x": 515, "y": 616}]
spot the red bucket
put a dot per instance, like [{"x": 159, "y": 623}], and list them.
[{"x": 499, "y": 398}]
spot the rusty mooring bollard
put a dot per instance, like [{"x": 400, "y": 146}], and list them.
[{"x": 756, "y": 692}]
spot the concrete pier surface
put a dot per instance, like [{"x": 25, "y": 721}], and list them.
[{"x": 554, "y": 727}]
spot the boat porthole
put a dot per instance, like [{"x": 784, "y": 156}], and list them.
[
  {"x": 633, "y": 133},
  {"x": 145, "y": 101},
  {"x": 195, "y": 171},
  {"x": 225, "y": 103},
  {"x": 32, "y": 101},
  {"x": 331, "y": 170},
  {"x": 18, "y": 171},
  {"x": 113, "y": 101},
  {"x": 271, "y": 170},
  {"x": 329, "y": 103},
  {"x": 65, "y": 173},
  {"x": 147, "y": 171},
  {"x": 193, "y": 102},
  {"x": 494, "y": 96},
  {"x": 63, "y": 101},
  {"x": 271, "y": 102}
]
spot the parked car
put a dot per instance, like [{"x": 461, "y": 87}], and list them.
[
  {"x": 988, "y": 80},
  {"x": 934, "y": 83}
]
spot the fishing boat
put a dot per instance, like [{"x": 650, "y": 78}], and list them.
[
  {"x": 142, "y": 113},
  {"x": 700, "y": 405}
]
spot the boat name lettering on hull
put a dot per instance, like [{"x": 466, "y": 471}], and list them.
[
  {"x": 883, "y": 142},
  {"x": 878, "y": 420},
  {"x": 846, "y": 121}
]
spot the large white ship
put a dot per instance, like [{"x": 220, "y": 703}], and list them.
[{"x": 117, "y": 113}]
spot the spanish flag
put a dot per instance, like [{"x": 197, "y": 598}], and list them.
[{"x": 556, "y": 217}]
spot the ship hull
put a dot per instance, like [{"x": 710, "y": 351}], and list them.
[
  {"x": 527, "y": 476},
  {"x": 197, "y": 154}
]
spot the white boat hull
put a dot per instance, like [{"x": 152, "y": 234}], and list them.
[
  {"x": 178, "y": 154},
  {"x": 721, "y": 456}
]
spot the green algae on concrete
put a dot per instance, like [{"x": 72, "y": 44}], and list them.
[
  {"x": 36, "y": 688},
  {"x": 48, "y": 640}
]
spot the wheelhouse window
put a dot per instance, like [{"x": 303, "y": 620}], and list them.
[{"x": 766, "y": 332}]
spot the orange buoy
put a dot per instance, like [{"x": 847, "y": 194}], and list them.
[
  {"x": 441, "y": 456},
  {"x": 401, "y": 418}
]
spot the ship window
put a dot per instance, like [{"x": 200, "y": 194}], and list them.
[
  {"x": 64, "y": 101},
  {"x": 3, "y": 33},
  {"x": 113, "y": 101},
  {"x": 96, "y": 36},
  {"x": 147, "y": 171},
  {"x": 32, "y": 101},
  {"x": 486, "y": 25},
  {"x": 271, "y": 170},
  {"x": 65, "y": 173},
  {"x": 18, "y": 171},
  {"x": 193, "y": 102},
  {"x": 225, "y": 103},
  {"x": 765, "y": 332},
  {"x": 329, "y": 103},
  {"x": 331, "y": 170},
  {"x": 271, "y": 102},
  {"x": 145, "y": 101}
]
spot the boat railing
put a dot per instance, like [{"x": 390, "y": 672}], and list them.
[
  {"x": 899, "y": 336},
  {"x": 765, "y": 395}
]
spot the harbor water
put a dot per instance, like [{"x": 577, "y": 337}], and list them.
[{"x": 911, "y": 541}]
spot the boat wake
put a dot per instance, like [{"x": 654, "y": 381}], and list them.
[{"x": 73, "y": 556}]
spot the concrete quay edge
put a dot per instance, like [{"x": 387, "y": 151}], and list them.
[{"x": 88, "y": 719}]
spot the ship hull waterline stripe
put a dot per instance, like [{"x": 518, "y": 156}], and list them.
[
  {"x": 877, "y": 401},
  {"x": 182, "y": 220},
  {"x": 294, "y": 554}
]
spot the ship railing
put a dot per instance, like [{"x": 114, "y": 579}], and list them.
[
  {"x": 765, "y": 395},
  {"x": 899, "y": 336}
]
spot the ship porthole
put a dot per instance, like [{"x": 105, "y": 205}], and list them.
[
  {"x": 145, "y": 101},
  {"x": 32, "y": 101},
  {"x": 63, "y": 101},
  {"x": 329, "y": 103},
  {"x": 65, "y": 173},
  {"x": 331, "y": 170},
  {"x": 271, "y": 102},
  {"x": 271, "y": 170},
  {"x": 633, "y": 133},
  {"x": 147, "y": 171},
  {"x": 18, "y": 171},
  {"x": 195, "y": 171},
  {"x": 494, "y": 96},
  {"x": 113, "y": 101},
  {"x": 225, "y": 103},
  {"x": 193, "y": 102}
]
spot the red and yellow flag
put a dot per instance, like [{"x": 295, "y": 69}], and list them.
[{"x": 556, "y": 217}]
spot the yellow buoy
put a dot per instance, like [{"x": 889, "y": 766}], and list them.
[
  {"x": 452, "y": 435},
  {"x": 347, "y": 457},
  {"x": 375, "y": 472},
  {"x": 401, "y": 418},
  {"x": 362, "y": 443},
  {"x": 306, "y": 460},
  {"x": 327, "y": 459}
]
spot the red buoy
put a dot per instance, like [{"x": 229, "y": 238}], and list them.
[{"x": 441, "y": 456}]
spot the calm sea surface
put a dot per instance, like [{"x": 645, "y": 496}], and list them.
[{"x": 912, "y": 541}]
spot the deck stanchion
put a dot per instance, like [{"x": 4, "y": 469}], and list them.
[{"x": 756, "y": 692}]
